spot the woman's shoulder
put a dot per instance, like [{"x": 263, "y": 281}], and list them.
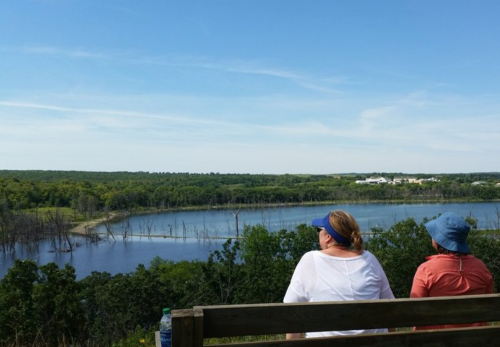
[
  {"x": 368, "y": 255},
  {"x": 370, "y": 258},
  {"x": 309, "y": 255}
]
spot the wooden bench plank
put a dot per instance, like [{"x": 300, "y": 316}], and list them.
[
  {"x": 262, "y": 319},
  {"x": 465, "y": 337}
]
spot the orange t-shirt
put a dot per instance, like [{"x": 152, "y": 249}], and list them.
[{"x": 445, "y": 275}]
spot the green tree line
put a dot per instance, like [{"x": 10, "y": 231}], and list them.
[
  {"x": 94, "y": 191},
  {"x": 46, "y": 306}
]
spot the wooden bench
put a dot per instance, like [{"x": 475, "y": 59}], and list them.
[{"x": 190, "y": 327}]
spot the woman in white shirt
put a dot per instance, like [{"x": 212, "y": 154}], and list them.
[{"x": 341, "y": 270}]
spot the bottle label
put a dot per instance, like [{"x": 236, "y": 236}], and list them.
[{"x": 166, "y": 338}]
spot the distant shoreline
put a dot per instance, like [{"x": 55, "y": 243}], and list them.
[{"x": 82, "y": 228}]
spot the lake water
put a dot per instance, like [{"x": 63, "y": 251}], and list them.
[
  {"x": 113, "y": 257},
  {"x": 202, "y": 232},
  {"x": 221, "y": 223}
]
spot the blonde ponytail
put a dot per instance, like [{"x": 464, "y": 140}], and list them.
[{"x": 346, "y": 225}]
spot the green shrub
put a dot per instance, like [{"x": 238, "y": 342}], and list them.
[{"x": 400, "y": 250}]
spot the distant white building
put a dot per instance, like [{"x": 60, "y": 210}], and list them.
[
  {"x": 432, "y": 179},
  {"x": 374, "y": 180},
  {"x": 422, "y": 180},
  {"x": 414, "y": 180},
  {"x": 397, "y": 180},
  {"x": 479, "y": 183}
]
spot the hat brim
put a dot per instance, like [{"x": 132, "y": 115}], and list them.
[
  {"x": 454, "y": 246},
  {"x": 318, "y": 222}
]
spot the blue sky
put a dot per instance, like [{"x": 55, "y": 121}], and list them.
[{"x": 260, "y": 86}]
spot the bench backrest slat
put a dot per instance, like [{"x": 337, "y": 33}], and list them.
[{"x": 261, "y": 319}]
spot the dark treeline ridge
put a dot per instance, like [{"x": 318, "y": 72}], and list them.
[
  {"x": 43, "y": 305},
  {"x": 129, "y": 190}
]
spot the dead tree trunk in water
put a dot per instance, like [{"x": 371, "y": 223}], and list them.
[
  {"x": 235, "y": 213},
  {"x": 107, "y": 222},
  {"x": 60, "y": 226}
]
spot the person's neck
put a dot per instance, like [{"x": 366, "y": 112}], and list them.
[
  {"x": 336, "y": 245},
  {"x": 340, "y": 251}
]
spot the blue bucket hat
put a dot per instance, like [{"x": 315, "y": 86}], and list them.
[
  {"x": 325, "y": 224},
  {"x": 450, "y": 231}
]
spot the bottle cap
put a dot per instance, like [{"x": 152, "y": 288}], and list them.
[{"x": 166, "y": 311}]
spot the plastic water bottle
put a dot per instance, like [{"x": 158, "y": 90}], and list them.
[{"x": 166, "y": 328}]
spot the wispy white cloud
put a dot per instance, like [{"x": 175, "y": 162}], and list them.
[
  {"x": 72, "y": 53},
  {"x": 325, "y": 85},
  {"x": 406, "y": 121},
  {"x": 110, "y": 112},
  {"x": 329, "y": 84}
]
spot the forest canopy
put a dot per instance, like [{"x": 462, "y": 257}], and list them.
[{"x": 163, "y": 190}]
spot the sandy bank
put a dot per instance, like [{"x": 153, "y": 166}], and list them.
[{"x": 84, "y": 227}]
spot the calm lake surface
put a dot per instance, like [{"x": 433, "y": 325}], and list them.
[{"x": 201, "y": 232}]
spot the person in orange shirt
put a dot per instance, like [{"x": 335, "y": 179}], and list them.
[{"x": 453, "y": 271}]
